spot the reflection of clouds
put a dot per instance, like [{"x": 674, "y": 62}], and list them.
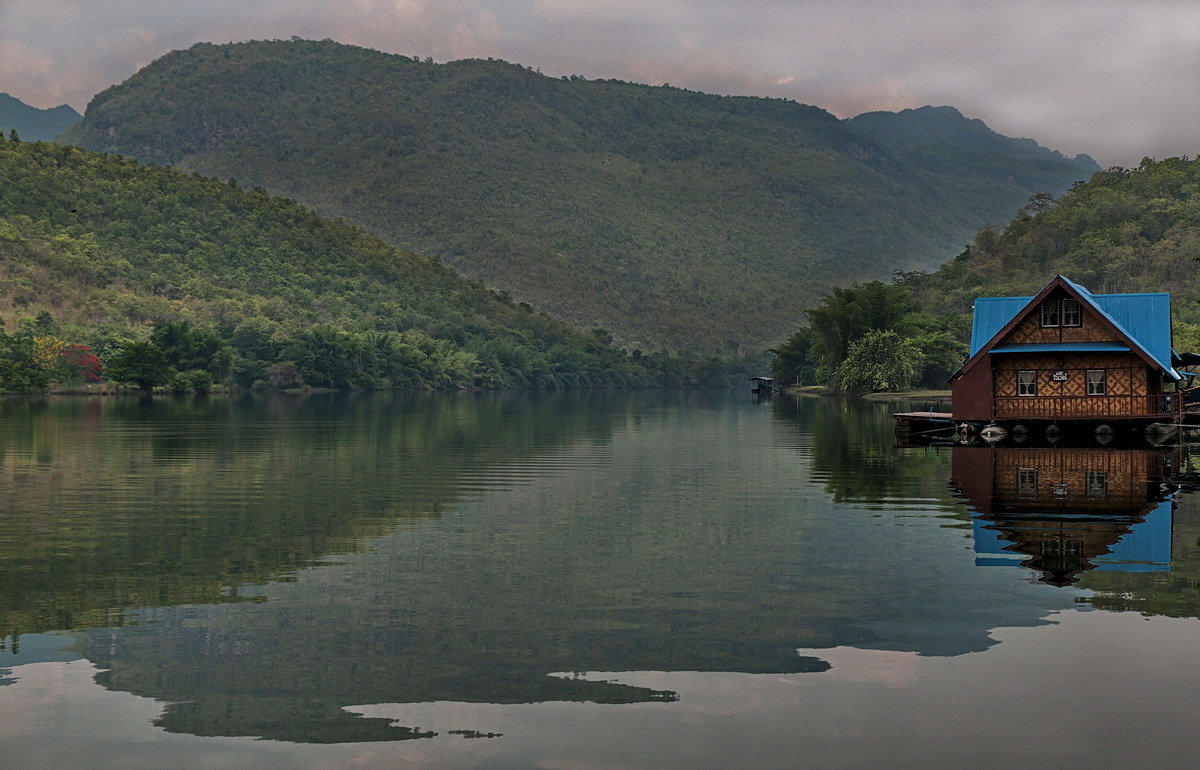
[
  {"x": 56, "y": 715},
  {"x": 1111, "y": 689},
  {"x": 850, "y": 664},
  {"x": 1075, "y": 691},
  {"x": 1114, "y": 79}
]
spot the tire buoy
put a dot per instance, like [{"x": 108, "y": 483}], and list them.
[{"x": 993, "y": 433}]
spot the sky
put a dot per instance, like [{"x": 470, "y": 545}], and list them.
[{"x": 1117, "y": 80}]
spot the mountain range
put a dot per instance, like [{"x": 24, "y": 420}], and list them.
[{"x": 673, "y": 219}]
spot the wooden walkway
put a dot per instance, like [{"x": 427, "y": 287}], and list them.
[{"x": 915, "y": 422}]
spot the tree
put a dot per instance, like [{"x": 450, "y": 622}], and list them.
[
  {"x": 140, "y": 363},
  {"x": 188, "y": 347},
  {"x": 847, "y": 315},
  {"x": 880, "y": 361},
  {"x": 792, "y": 362}
]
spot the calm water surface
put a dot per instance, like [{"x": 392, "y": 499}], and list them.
[{"x": 581, "y": 580}]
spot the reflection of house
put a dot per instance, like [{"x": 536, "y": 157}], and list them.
[
  {"x": 1065, "y": 511},
  {"x": 1068, "y": 354}
]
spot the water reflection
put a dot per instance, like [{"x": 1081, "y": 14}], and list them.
[
  {"x": 272, "y": 568},
  {"x": 1064, "y": 511}
]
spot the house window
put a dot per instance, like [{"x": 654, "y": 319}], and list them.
[
  {"x": 1061, "y": 312},
  {"x": 1097, "y": 382},
  {"x": 1027, "y": 479},
  {"x": 1026, "y": 383},
  {"x": 1097, "y": 484},
  {"x": 1070, "y": 312},
  {"x": 1051, "y": 312}
]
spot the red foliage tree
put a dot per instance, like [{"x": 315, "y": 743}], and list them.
[{"x": 83, "y": 360}]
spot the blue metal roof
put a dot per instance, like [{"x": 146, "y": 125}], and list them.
[
  {"x": 991, "y": 315},
  {"x": 1062, "y": 347},
  {"x": 1144, "y": 318}
]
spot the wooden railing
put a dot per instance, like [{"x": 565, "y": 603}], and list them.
[{"x": 1162, "y": 405}]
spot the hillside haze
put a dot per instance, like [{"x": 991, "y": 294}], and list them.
[
  {"x": 671, "y": 218},
  {"x": 33, "y": 124}
]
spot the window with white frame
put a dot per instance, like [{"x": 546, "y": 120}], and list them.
[
  {"x": 1027, "y": 382},
  {"x": 1097, "y": 382},
  {"x": 1061, "y": 312}
]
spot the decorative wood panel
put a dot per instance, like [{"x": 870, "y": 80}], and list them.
[
  {"x": 1132, "y": 389},
  {"x": 1031, "y": 330},
  {"x": 1090, "y": 329},
  {"x": 1080, "y": 407}
]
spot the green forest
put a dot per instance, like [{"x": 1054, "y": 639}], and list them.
[
  {"x": 115, "y": 272},
  {"x": 672, "y": 218},
  {"x": 1124, "y": 230}
]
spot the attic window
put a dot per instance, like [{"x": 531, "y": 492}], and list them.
[
  {"x": 1070, "y": 312},
  {"x": 1060, "y": 312},
  {"x": 1051, "y": 312}
]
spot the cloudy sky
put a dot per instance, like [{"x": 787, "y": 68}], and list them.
[{"x": 1117, "y": 80}]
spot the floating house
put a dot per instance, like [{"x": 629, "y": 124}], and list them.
[{"x": 1069, "y": 355}]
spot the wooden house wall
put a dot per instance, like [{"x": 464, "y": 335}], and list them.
[
  {"x": 1131, "y": 389},
  {"x": 972, "y": 394}
]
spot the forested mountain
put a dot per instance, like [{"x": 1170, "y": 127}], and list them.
[
  {"x": 1125, "y": 230},
  {"x": 668, "y": 216},
  {"x": 97, "y": 250},
  {"x": 32, "y": 124}
]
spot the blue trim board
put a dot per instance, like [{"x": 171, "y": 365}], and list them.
[{"x": 1062, "y": 347}]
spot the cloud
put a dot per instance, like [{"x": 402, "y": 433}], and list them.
[{"x": 1118, "y": 79}]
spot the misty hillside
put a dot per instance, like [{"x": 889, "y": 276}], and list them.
[
  {"x": 945, "y": 132},
  {"x": 672, "y": 218}
]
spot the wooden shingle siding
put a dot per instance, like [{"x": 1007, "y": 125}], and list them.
[{"x": 1129, "y": 391}]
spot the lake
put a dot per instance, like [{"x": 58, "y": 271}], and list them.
[{"x": 595, "y": 579}]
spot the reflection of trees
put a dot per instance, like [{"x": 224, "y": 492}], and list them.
[
  {"x": 116, "y": 503},
  {"x": 854, "y": 455},
  {"x": 1175, "y": 593}
]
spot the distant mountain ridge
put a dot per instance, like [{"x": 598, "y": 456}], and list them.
[
  {"x": 33, "y": 124},
  {"x": 671, "y": 218},
  {"x": 946, "y": 125}
]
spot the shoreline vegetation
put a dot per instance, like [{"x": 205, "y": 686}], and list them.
[{"x": 902, "y": 395}]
